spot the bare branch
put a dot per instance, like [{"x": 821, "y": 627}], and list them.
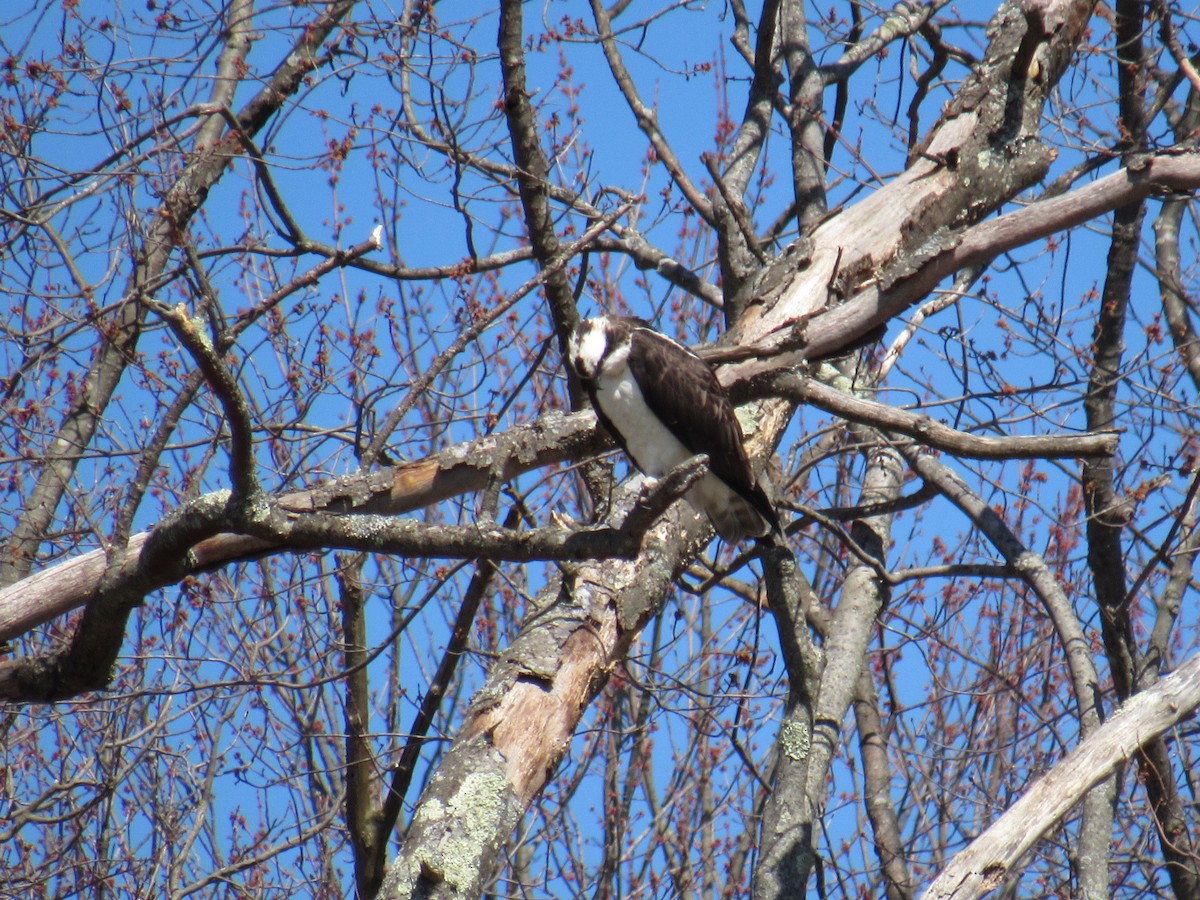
[
  {"x": 877, "y": 792},
  {"x": 804, "y": 389},
  {"x": 992, "y": 856},
  {"x": 646, "y": 119},
  {"x": 457, "y": 470},
  {"x": 242, "y": 474}
]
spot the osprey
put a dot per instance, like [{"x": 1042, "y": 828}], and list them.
[{"x": 663, "y": 405}]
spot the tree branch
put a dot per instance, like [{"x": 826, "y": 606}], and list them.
[
  {"x": 825, "y": 331},
  {"x": 991, "y": 857},
  {"x": 646, "y": 119},
  {"x": 877, "y": 789},
  {"x": 457, "y": 470},
  {"x": 928, "y": 431},
  {"x": 243, "y": 476}
]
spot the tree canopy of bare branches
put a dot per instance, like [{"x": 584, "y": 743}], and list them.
[{"x": 318, "y": 577}]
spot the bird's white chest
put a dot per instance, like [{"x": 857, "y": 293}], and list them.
[{"x": 651, "y": 444}]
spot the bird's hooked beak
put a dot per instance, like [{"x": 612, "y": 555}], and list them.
[{"x": 574, "y": 360}]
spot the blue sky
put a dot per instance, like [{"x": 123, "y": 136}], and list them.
[{"x": 340, "y": 207}]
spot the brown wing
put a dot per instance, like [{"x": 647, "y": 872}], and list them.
[{"x": 682, "y": 390}]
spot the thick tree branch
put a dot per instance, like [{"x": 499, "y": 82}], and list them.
[
  {"x": 460, "y": 469},
  {"x": 360, "y": 764},
  {"x": 521, "y": 722},
  {"x": 1176, "y": 303},
  {"x": 787, "y": 850},
  {"x": 168, "y": 555},
  {"x": 820, "y": 332},
  {"x": 805, "y": 117},
  {"x": 863, "y": 595},
  {"x": 995, "y": 854},
  {"x": 281, "y": 527},
  {"x": 738, "y": 251},
  {"x": 1104, "y": 517}
]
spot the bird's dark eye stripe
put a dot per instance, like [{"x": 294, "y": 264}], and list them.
[{"x": 604, "y": 355}]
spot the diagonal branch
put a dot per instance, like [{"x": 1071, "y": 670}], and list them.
[
  {"x": 533, "y": 172},
  {"x": 208, "y": 163},
  {"x": 1033, "y": 570},
  {"x": 646, "y": 119},
  {"x": 992, "y": 856}
]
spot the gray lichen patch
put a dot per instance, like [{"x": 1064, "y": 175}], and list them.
[
  {"x": 464, "y": 822},
  {"x": 795, "y": 740}
]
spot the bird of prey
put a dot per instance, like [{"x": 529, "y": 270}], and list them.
[{"x": 663, "y": 405}]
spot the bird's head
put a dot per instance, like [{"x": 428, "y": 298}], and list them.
[{"x": 594, "y": 346}]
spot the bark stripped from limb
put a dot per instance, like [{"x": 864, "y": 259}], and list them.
[
  {"x": 522, "y": 720},
  {"x": 457, "y": 470},
  {"x": 86, "y": 664}
]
